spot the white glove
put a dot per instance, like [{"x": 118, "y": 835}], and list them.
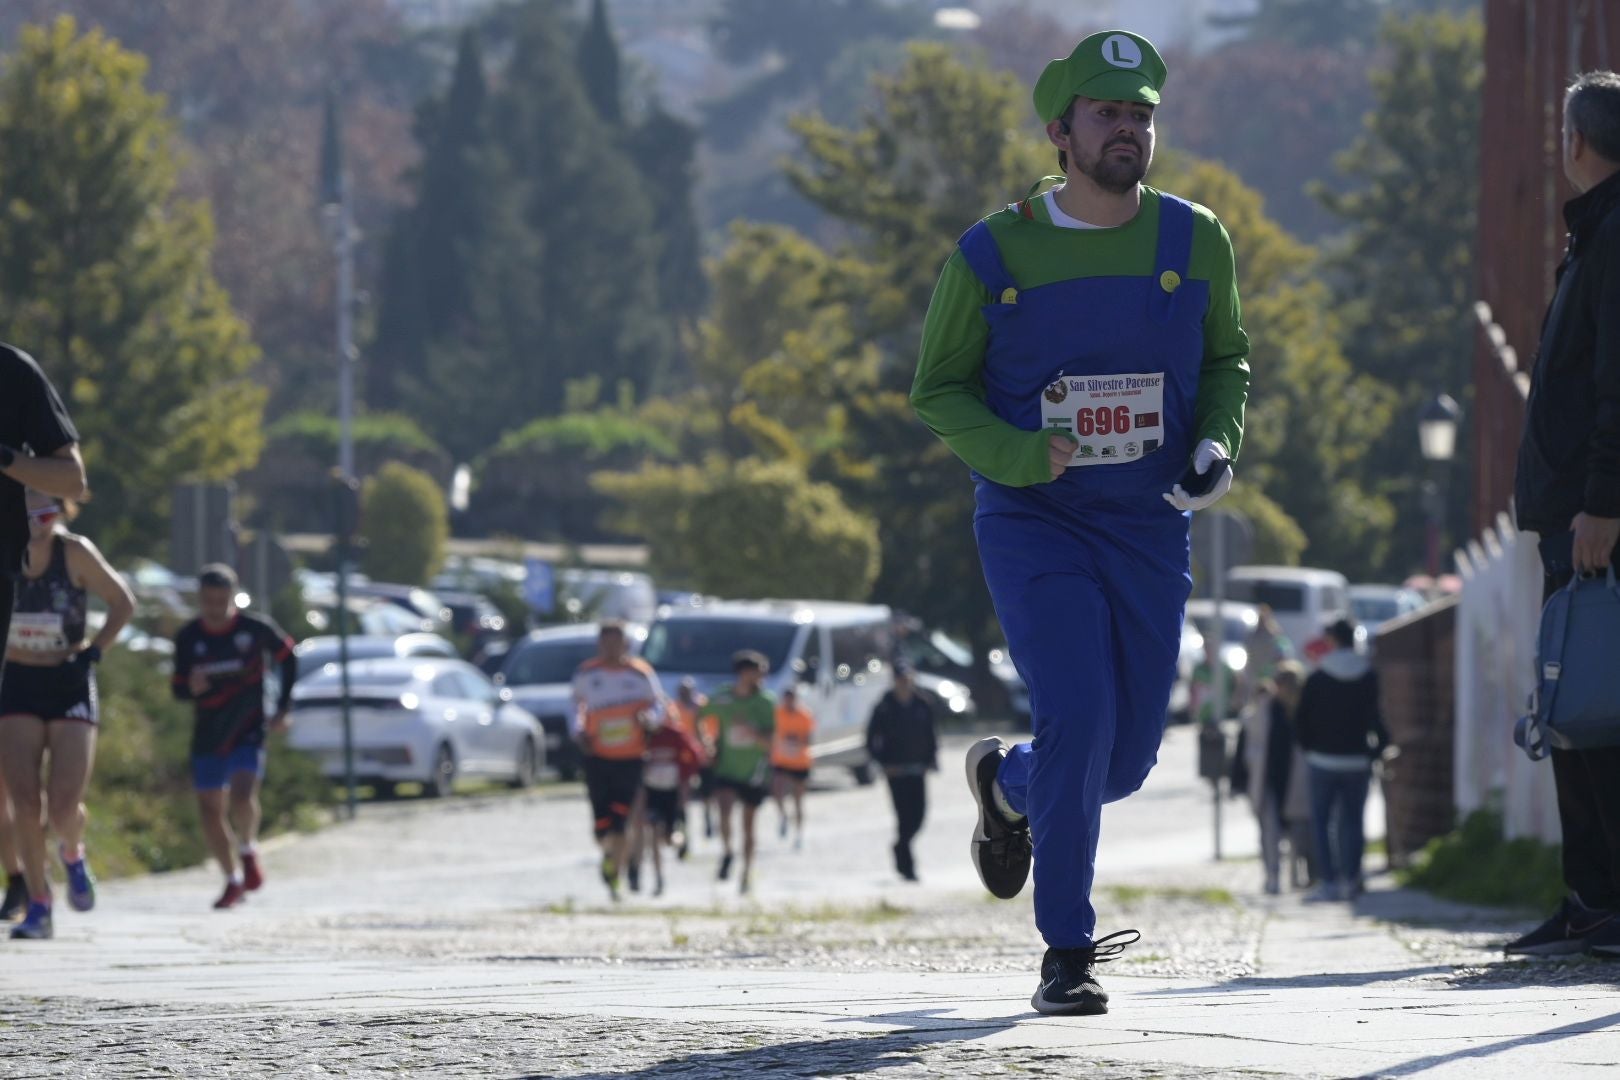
[{"x": 1208, "y": 453}]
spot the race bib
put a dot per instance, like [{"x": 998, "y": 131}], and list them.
[
  {"x": 1114, "y": 418},
  {"x": 37, "y": 632},
  {"x": 662, "y": 776},
  {"x": 792, "y": 746},
  {"x": 617, "y": 732},
  {"x": 741, "y": 735}
]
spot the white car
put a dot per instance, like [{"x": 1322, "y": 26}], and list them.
[
  {"x": 1238, "y": 621},
  {"x": 417, "y": 719},
  {"x": 319, "y": 653}
]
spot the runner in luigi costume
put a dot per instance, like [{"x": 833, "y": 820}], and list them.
[{"x": 1084, "y": 355}]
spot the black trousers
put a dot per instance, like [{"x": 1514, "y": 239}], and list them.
[
  {"x": 910, "y": 795},
  {"x": 1588, "y": 783}
]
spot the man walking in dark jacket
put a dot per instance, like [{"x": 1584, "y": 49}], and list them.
[
  {"x": 1341, "y": 729},
  {"x": 901, "y": 739},
  {"x": 1568, "y": 491}
]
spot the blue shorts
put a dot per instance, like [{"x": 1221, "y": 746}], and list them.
[{"x": 211, "y": 772}]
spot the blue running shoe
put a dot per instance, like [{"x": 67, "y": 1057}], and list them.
[
  {"x": 81, "y": 884},
  {"x": 38, "y": 924}
]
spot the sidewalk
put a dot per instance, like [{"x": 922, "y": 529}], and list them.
[{"x": 833, "y": 970}]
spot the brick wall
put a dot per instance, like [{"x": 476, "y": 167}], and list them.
[{"x": 1415, "y": 660}]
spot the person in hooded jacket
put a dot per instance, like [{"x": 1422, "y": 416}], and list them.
[{"x": 1341, "y": 730}]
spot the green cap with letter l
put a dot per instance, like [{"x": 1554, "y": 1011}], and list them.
[{"x": 1109, "y": 66}]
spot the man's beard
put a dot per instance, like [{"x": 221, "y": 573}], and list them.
[{"x": 1115, "y": 175}]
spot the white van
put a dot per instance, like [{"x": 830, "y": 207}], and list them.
[
  {"x": 837, "y": 655},
  {"x": 1304, "y": 600}
]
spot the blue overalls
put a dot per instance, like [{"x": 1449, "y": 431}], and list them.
[{"x": 1089, "y": 573}]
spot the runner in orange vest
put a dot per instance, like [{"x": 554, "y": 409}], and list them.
[
  {"x": 616, "y": 697},
  {"x": 791, "y": 760}
]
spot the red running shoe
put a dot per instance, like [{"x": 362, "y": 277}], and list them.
[
  {"x": 252, "y": 877},
  {"x": 234, "y": 894}
]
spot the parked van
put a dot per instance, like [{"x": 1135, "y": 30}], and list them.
[
  {"x": 1304, "y": 600},
  {"x": 837, "y": 654}
]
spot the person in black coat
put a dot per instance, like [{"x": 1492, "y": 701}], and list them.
[
  {"x": 901, "y": 739},
  {"x": 1341, "y": 730},
  {"x": 1567, "y": 491}
]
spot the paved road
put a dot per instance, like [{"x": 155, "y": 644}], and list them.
[{"x": 472, "y": 938}]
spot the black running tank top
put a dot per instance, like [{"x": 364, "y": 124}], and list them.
[{"x": 50, "y": 610}]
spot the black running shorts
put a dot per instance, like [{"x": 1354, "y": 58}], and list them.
[
  {"x": 664, "y": 807},
  {"x": 66, "y": 692},
  {"x": 612, "y": 787},
  {"x": 750, "y": 794}
]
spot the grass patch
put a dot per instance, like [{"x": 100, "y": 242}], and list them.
[
  {"x": 1131, "y": 895},
  {"x": 1474, "y": 864}
]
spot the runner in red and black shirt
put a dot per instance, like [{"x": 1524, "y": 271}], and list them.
[{"x": 219, "y": 662}]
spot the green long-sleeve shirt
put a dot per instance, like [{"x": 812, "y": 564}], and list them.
[{"x": 948, "y": 390}]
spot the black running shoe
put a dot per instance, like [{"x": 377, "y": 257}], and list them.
[
  {"x": 1069, "y": 984},
  {"x": 16, "y": 901},
  {"x": 1569, "y": 931},
  {"x": 725, "y": 867},
  {"x": 1001, "y": 848}
]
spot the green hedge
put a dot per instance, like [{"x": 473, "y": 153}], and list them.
[
  {"x": 317, "y": 433},
  {"x": 595, "y": 434}
]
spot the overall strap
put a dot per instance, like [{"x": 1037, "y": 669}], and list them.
[
  {"x": 1173, "y": 257},
  {"x": 983, "y": 257}
]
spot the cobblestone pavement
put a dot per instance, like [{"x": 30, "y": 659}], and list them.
[
  {"x": 471, "y": 938},
  {"x": 91, "y": 1040}
]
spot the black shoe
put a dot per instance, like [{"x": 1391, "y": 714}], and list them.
[
  {"x": 904, "y": 863},
  {"x": 1001, "y": 848},
  {"x": 1069, "y": 984},
  {"x": 725, "y": 868},
  {"x": 1604, "y": 942},
  {"x": 16, "y": 902},
  {"x": 1569, "y": 930},
  {"x": 632, "y": 876}
]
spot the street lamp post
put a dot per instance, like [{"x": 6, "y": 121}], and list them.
[
  {"x": 337, "y": 218},
  {"x": 1437, "y": 439}
]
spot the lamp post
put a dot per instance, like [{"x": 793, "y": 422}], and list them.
[
  {"x": 1437, "y": 439},
  {"x": 337, "y": 220}
]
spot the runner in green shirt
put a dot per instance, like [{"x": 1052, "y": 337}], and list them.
[{"x": 745, "y": 722}]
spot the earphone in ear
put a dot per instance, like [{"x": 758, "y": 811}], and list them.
[{"x": 1063, "y": 126}]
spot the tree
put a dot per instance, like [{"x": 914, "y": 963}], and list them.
[
  {"x": 244, "y": 83},
  {"x": 1274, "y": 113},
  {"x": 667, "y": 147},
  {"x": 1407, "y": 269},
  {"x": 1312, "y": 419},
  {"x": 104, "y": 276},
  {"x": 748, "y": 529},
  {"x": 1404, "y": 279},
  {"x": 589, "y": 213},
  {"x": 426, "y": 291},
  {"x": 599, "y": 66},
  {"x": 405, "y": 525}
]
